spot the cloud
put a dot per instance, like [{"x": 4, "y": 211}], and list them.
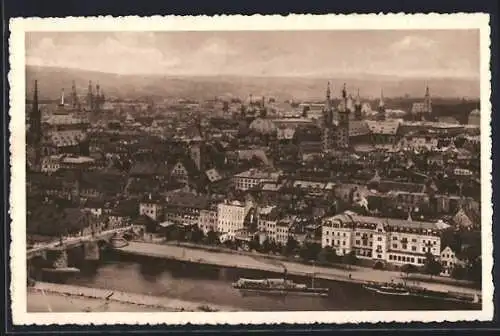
[
  {"x": 258, "y": 53},
  {"x": 412, "y": 43},
  {"x": 119, "y": 55}
]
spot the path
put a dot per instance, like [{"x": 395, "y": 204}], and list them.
[{"x": 359, "y": 274}]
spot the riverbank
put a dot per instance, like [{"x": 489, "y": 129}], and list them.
[
  {"x": 354, "y": 275},
  {"x": 45, "y": 296}
]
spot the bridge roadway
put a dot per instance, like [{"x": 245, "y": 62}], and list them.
[{"x": 40, "y": 249}]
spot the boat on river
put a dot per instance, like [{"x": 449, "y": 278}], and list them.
[
  {"x": 61, "y": 270},
  {"x": 387, "y": 289},
  {"x": 277, "y": 287}
]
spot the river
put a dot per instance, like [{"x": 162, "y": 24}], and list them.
[{"x": 211, "y": 284}]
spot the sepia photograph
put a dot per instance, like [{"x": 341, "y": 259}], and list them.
[{"x": 191, "y": 168}]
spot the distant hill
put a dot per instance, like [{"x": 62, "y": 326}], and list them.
[{"x": 52, "y": 80}]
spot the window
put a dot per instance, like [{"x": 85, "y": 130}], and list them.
[
  {"x": 379, "y": 256},
  {"x": 395, "y": 246},
  {"x": 390, "y": 256},
  {"x": 379, "y": 238},
  {"x": 412, "y": 259},
  {"x": 343, "y": 242},
  {"x": 394, "y": 238},
  {"x": 414, "y": 248},
  {"x": 357, "y": 242}
]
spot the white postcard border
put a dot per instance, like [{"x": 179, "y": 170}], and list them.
[{"x": 19, "y": 26}]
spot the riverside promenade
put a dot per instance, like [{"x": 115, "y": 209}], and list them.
[
  {"x": 45, "y": 296},
  {"x": 357, "y": 274}
]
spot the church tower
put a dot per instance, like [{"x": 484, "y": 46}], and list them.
[
  {"x": 343, "y": 120},
  {"x": 34, "y": 136},
  {"x": 74, "y": 97},
  {"x": 427, "y": 101},
  {"x": 357, "y": 108},
  {"x": 327, "y": 130},
  {"x": 328, "y": 111},
  {"x": 35, "y": 119},
  {"x": 90, "y": 97},
  {"x": 381, "y": 106}
]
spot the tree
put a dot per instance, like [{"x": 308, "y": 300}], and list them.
[
  {"x": 432, "y": 266},
  {"x": 459, "y": 272},
  {"x": 330, "y": 254},
  {"x": 291, "y": 246},
  {"x": 266, "y": 246},
  {"x": 310, "y": 251},
  {"x": 350, "y": 258},
  {"x": 254, "y": 243},
  {"x": 474, "y": 271},
  {"x": 196, "y": 235},
  {"x": 408, "y": 268},
  {"x": 212, "y": 237}
]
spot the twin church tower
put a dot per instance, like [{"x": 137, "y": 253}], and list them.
[{"x": 337, "y": 119}]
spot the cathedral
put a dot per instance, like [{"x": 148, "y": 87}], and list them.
[
  {"x": 422, "y": 110},
  {"x": 57, "y": 131},
  {"x": 336, "y": 120},
  {"x": 94, "y": 101}
]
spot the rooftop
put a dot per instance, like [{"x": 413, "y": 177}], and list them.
[{"x": 260, "y": 174}]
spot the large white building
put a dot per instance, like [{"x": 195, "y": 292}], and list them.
[
  {"x": 231, "y": 217},
  {"x": 387, "y": 240}
]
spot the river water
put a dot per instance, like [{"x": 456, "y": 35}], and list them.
[{"x": 211, "y": 284}]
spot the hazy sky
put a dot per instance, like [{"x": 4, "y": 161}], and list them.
[{"x": 413, "y": 53}]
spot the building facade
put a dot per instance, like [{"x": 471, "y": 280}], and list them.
[
  {"x": 386, "y": 240},
  {"x": 231, "y": 217}
]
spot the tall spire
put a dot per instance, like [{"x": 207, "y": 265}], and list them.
[
  {"x": 427, "y": 100},
  {"x": 344, "y": 92},
  {"x": 74, "y": 96},
  {"x": 381, "y": 103},
  {"x": 358, "y": 99},
  {"x": 62, "y": 97},
  {"x": 35, "y": 118},
  {"x": 90, "y": 96},
  {"x": 328, "y": 92}
]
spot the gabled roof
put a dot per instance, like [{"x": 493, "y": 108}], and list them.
[{"x": 213, "y": 175}]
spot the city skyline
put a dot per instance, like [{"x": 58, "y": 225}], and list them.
[{"x": 319, "y": 54}]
